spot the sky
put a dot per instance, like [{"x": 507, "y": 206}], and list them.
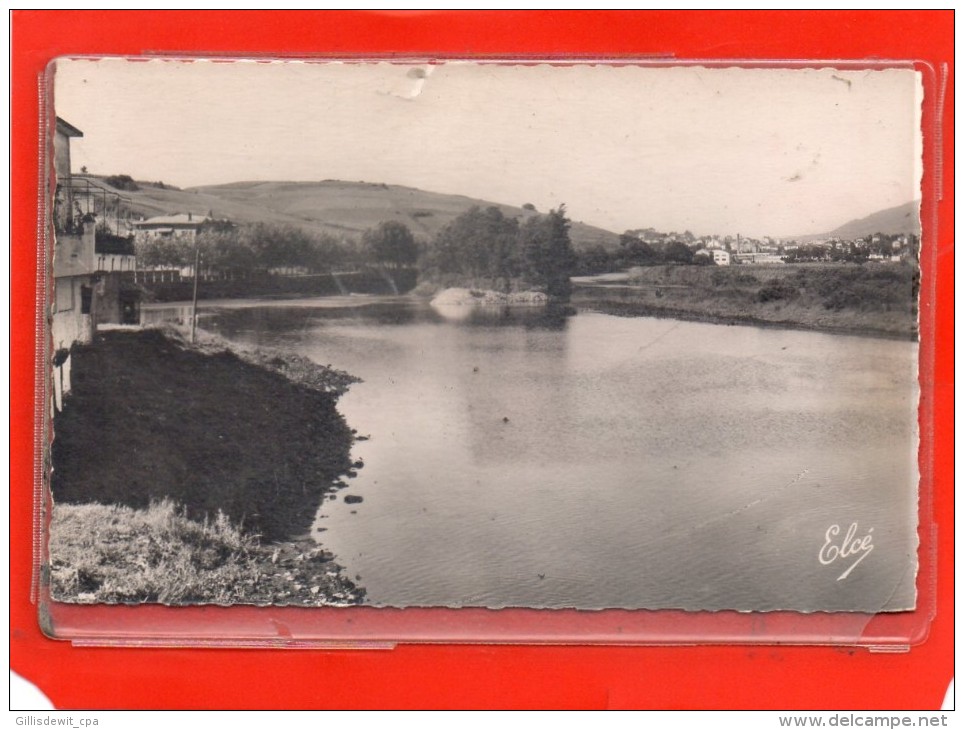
[{"x": 759, "y": 152}]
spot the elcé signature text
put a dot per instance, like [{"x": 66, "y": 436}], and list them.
[{"x": 850, "y": 546}]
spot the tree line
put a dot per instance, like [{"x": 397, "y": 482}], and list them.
[
  {"x": 481, "y": 248},
  {"x": 633, "y": 251},
  {"x": 251, "y": 247}
]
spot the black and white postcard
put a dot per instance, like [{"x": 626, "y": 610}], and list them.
[{"x": 484, "y": 334}]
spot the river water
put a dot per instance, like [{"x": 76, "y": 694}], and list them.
[{"x": 600, "y": 461}]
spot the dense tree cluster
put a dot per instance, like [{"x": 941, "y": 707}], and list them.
[
  {"x": 633, "y": 251},
  {"x": 250, "y": 247},
  {"x": 390, "y": 244},
  {"x": 549, "y": 257},
  {"x": 479, "y": 244},
  {"x": 484, "y": 248}
]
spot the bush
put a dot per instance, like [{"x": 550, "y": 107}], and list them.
[
  {"x": 777, "y": 290},
  {"x": 842, "y": 299},
  {"x": 122, "y": 182}
]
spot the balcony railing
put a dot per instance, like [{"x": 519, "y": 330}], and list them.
[{"x": 80, "y": 201}]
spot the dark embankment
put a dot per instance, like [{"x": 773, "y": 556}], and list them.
[
  {"x": 873, "y": 299},
  {"x": 150, "y": 419},
  {"x": 267, "y": 285}
]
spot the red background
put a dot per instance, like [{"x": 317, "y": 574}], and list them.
[{"x": 476, "y": 676}]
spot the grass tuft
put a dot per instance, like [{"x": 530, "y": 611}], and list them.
[
  {"x": 115, "y": 554},
  {"x": 111, "y": 553}
]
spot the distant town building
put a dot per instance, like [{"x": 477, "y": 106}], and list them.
[
  {"x": 721, "y": 257},
  {"x": 757, "y": 258},
  {"x": 717, "y": 255},
  {"x": 182, "y": 226}
]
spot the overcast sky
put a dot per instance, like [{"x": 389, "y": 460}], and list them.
[{"x": 751, "y": 151}]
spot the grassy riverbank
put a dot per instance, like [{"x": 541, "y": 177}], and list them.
[
  {"x": 194, "y": 474},
  {"x": 114, "y": 554},
  {"x": 874, "y": 299}
]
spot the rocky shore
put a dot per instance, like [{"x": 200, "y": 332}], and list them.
[{"x": 457, "y": 296}]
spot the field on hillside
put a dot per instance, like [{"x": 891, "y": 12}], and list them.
[{"x": 334, "y": 207}]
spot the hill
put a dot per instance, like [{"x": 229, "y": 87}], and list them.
[
  {"x": 899, "y": 219},
  {"x": 342, "y": 209}
]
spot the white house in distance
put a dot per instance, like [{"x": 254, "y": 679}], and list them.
[
  {"x": 718, "y": 256},
  {"x": 181, "y": 227}
]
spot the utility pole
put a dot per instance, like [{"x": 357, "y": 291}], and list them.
[{"x": 197, "y": 272}]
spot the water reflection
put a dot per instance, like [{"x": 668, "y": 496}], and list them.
[
  {"x": 289, "y": 316},
  {"x": 535, "y": 317},
  {"x": 597, "y": 461}
]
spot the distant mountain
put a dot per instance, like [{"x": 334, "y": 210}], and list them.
[
  {"x": 900, "y": 219},
  {"x": 332, "y": 206}
]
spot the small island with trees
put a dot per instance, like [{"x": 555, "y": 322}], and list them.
[
  {"x": 481, "y": 250},
  {"x": 487, "y": 253}
]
